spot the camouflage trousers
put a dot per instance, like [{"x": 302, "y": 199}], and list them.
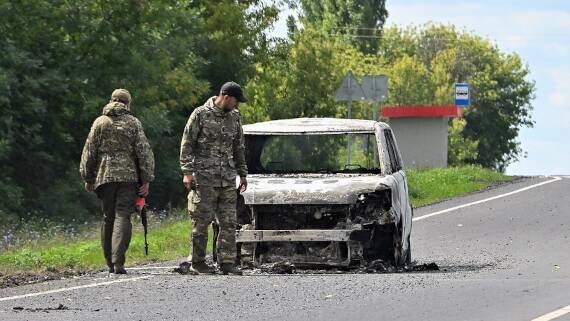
[
  {"x": 118, "y": 203},
  {"x": 216, "y": 204}
]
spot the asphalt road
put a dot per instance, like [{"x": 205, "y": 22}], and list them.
[{"x": 506, "y": 258}]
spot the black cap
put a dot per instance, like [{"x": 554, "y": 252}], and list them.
[{"x": 232, "y": 89}]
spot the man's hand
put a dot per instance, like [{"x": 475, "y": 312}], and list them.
[
  {"x": 242, "y": 184},
  {"x": 188, "y": 181},
  {"x": 143, "y": 190},
  {"x": 89, "y": 187}
]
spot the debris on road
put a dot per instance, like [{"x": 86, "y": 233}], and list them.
[
  {"x": 58, "y": 308},
  {"x": 283, "y": 267},
  {"x": 184, "y": 269},
  {"x": 424, "y": 267},
  {"x": 376, "y": 266},
  {"x": 18, "y": 279}
]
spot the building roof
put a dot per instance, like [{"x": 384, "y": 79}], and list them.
[
  {"x": 310, "y": 126},
  {"x": 437, "y": 111}
]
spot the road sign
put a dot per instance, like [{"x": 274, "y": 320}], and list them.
[
  {"x": 375, "y": 87},
  {"x": 349, "y": 90},
  {"x": 462, "y": 94}
]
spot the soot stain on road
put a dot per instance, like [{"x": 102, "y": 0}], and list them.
[{"x": 286, "y": 267}]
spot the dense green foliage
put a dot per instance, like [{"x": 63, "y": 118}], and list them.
[
  {"x": 302, "y": 77},
  {"x": 61, "y": 60},
  {"x": 360, "y": 21}
]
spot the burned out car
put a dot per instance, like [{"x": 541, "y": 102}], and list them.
[{"x": 324, "y": 191}]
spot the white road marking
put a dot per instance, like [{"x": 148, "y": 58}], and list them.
[
  {"x": 555, "y": 179},
  {"x": 92, "y": 285},
  {"x": 554, "y": 314}
]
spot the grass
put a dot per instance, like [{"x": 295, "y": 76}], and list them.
[
  {"x": 169, "y": 238},
  {"x": 433, "y": 185}
]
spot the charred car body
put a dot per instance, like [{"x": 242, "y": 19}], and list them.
[{"x": 324, "y": 191}]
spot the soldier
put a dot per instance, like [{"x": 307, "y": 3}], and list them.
[
  {"x": 212, "y": 154},
  {"x": 117, "y": 163}
]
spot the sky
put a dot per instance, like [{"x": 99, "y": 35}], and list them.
[{"x": 539, "y": 32}]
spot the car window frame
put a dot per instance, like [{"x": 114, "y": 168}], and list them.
[{"x": 392, "y": 151}]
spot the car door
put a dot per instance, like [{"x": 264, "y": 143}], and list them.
[{"x": 400, "y": 194}]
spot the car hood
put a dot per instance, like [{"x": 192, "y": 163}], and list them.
[{"x": 312, "y": 189}]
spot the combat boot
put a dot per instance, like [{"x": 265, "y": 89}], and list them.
[
  {"x": 119, "y": 269},
  {"x": 229, "y": 268},
  {"x": 202, "y": 268}
]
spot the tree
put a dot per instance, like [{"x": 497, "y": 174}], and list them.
[
  {"x": 461, "y": 150},
  {"x": 359, "y": 20},
  {"x": 302, "y": 77}
]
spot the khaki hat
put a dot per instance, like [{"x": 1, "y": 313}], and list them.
[{"x": 121, "y": 95}]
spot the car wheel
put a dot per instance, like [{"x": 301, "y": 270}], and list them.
[
  {"x": 399, "y": 256},
  {"x": 408, "y": 261}
]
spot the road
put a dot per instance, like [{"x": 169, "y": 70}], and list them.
[{"x": 504, "y": 254}]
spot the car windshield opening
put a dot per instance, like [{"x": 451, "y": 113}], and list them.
[{"x": 283, "y": 154}]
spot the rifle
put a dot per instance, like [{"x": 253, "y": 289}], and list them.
[{"x": 141, "y": 208}]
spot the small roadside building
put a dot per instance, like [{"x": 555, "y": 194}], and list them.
[{"x": 421, "y": 132}]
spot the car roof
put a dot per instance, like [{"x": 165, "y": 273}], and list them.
[{"x": 312, "y": 126}]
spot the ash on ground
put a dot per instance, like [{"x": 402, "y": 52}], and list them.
[
  {"x": 287, "y": 267},
  {"x": 377, "y": 266}
]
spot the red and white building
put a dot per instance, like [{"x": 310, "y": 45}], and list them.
[{"x": 421, "y": 132}]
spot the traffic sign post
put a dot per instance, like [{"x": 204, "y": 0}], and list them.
[
  {"x": 462, "y": 94},
  {"x": 349, "y": 91},
  {"x": 375, "y": 89}
]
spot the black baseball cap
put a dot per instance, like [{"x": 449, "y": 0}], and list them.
[{"x": 232, "y": 89}]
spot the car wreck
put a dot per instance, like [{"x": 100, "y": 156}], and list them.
[{"x": 324, "y": 191}]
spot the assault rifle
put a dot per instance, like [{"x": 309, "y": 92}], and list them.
[{"x": 141, "y": 208}]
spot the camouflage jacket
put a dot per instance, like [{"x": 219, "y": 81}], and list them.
[
  {"x": 116, "y": 149},
  {"x": 212, "y": 146}
]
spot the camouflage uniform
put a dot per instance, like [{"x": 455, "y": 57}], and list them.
[
  {"x": 116, "y": 159},
  {"x": 213, "y": 150}
]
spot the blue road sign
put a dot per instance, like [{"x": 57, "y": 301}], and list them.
[{"x": 462, "y": 94}]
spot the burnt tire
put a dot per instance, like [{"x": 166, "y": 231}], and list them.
[
  {"x": 386, "y": 244},
  {"x": 408, "y": 261},
  {"x": 397, "y": 247}
]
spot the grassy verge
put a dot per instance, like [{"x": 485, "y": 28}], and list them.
[
  {"x": 169, "y": 238},
  {"x": 433, "y": 185}
]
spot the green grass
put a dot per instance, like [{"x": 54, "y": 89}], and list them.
[
  {"x": 169, "y": 239},
  {"x": 433, "y": 185}
]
